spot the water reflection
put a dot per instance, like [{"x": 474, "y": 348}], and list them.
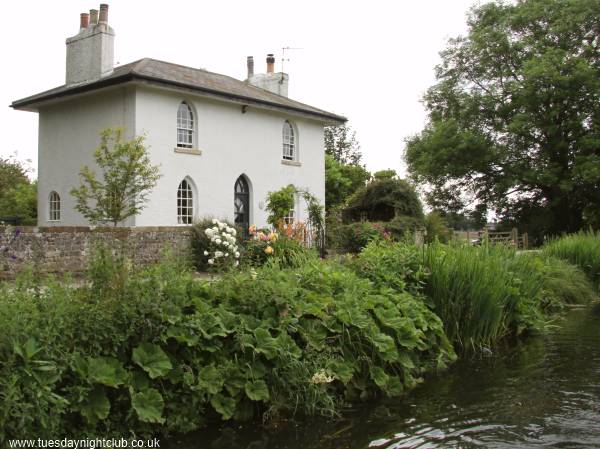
[{"x": 544, "y": 392}]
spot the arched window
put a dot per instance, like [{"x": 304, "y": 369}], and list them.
[
  {"x": 289, "y": 142},
  {"x": 241, "y": 203},
  {"x": 185, "y": 203},
  {"x": 185, "y": 126},
  {"x": 54, "y": 207}
]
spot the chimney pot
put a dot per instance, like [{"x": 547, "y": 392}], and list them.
[
  {"x": 250, "y": 64},
  {"x": 93, "y": 17},
  {"x": 103, "y": 13},
  {"x": 270, "y": 63},
  {"x": 84, "y": 20}
]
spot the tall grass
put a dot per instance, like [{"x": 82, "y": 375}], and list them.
[
  {"x": 581, "y": 249},
  {"x": 562, "y": 283},
  {"x": 483, "y": 294}
]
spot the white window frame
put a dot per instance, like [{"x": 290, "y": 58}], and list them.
[
  {"x": 185, "y": 126},
  {"x": 53, "y": 206},
  {"x": 185, "y": 202},
  {"x": 289, "y": 142}
]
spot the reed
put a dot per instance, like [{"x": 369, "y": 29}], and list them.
[
  {"x": 581, "y": 249},
  {"x": 483, "y": 294}
]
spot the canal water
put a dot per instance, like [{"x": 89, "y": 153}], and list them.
[{"x": 542, "y": 393}]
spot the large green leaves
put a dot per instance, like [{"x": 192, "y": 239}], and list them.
[
  {"x": 96, "y": 406},
  {"x": 210, "y": 379},
  {"x": 148, "y": 404},
  {"x": 106, "y": 371},
  {"x": 224, "y": 405},
  {"x": 257, "y": 390},
  {"x": 152, "y": 359}
]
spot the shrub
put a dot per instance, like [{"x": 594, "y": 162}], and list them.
[
  {"x": 353, "y": 237},
  {"x": 215, "y": 245},
  {"x": 394, "y": 265},
  {"x": 402, "y": 227},
  {"x": 581, "y": 249},
  {"x": 279, "y": 204},
  {"x": 165, "y": 353},
  {"x": 437, "y": 228}
]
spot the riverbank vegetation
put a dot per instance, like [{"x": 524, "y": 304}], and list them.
[
  {"x": 156, "y": 350},
  {"x": 581, "y": 249}
]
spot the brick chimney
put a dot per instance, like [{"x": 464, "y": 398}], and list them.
[
  {"x": 90, "y": 53},
  {"x": 271, "y": 81},
  {"x": 250, "y": 64}
]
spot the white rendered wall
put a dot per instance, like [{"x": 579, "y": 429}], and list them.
[
  {"x": 232, "y": 143},
  {"x": 68, "y": 135}
]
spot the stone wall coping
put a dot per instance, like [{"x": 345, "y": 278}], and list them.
[{"x": 97, "y": 229}]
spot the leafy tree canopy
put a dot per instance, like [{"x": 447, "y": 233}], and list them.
[
  {"x": 514, "y": 116},
  {"x": 341, "y": 144},
  {"x": 385, "y": 174},
  {"x": 127, "y": 176},
  {"x": 341, "y": 181},
  {"x": 18, "y": 195}
]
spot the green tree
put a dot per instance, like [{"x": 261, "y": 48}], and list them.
[
  {"x": 341, "y": 144},
  {"x": 385, "y": 174},
  {"x": 18, "y": 195},
  {"x": 341, "y": 181},
  {"x": 127, "y": 176},
  {"x": 514, "y": 117}
]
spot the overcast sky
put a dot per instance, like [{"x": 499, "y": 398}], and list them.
[{"x": 368, "y": 60}]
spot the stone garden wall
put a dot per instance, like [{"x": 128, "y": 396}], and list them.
[{"x": 67, "y": 249}]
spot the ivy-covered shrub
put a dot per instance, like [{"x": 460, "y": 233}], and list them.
[
  {"x": 382, "y": 200},
  {"x": 215, "y": 245},
  {"x": 163, "y": 352}
]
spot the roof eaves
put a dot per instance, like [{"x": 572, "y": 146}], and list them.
[
  {"x": 132, "y": 75},
  {"x": 242, "y": 98}
]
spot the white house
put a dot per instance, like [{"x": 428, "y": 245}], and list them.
[{"x": 222, "y": 144}]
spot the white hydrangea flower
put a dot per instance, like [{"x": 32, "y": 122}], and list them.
[
  {"x": 218, "y": 241},
  {"x": 237, "y": 255},
  {"x": 218, "y": 254},
  {"x": 206, "y": 253},
  {"x": 226, "y": 254},
  {"x": 209, "y": 232},
  {"x": 237, "y": 262},
  {"x": 211, "y": 261},
  {"x": 215, "y": 221},
  {"x": 233, "y": 231},
  {"x": 321, "y": 377}
]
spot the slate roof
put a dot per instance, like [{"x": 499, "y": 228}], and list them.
[{"x": 178, "y": 76}]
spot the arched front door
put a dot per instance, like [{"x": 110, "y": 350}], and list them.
[{"x": 241, "y": 204}]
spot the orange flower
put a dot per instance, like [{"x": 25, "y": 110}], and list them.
[
  {"x": 252, "y": 229},
  {"x": 269, "y": 250}
]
